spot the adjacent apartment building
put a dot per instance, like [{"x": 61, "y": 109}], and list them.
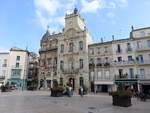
[
  {"x": 14, "y": 67},
  {"x": 124, "y": 61},
  {"x": 4, "y": 57},
  {"x": 70, "y": 58}
]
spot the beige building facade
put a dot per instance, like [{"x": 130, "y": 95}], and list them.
[{"x": 70, "y": 58}]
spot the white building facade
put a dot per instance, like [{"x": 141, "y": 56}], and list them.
[
  {"x": 18, "y": 67},
  {"x": 4, "y": 60}
]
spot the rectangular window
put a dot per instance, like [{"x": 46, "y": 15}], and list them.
[
  {"x": 98, "y": 50},
  {"x": 129, "y": 47},
  {"x": 131, "y": 73},
  {"x": 3, "y": 72},
  {"x": 119, "y": 59},
  {"x": 118, "y": 48},
  {"x": 148, "y": 43},
  {"x": 107, "y": 75},
  {"x": 141, "y": 59},
  {"x": 98, "y": 60},
  {"x": 142, "y": 73},
  {"x": 16, "y": 72},
  {"x": 62, "y": 48},
  {"x": 81, "y": 45},
  {"x": 18, "y": 58},
  {"x": 81, "y": 63},
  {"x": 142, "y": 34},
  {"x": 120, "y": 73},
  {"x": 130, "y": 58},
  {"x": 106, "y": 49},
  {"x": 106, "y": 59},
  {"x": 92, "y": 51},
  {"x": 99, "y": 75},
  {"x": 62, "y": 65},
  {"x": 17, "y": 64},
  {"x": 49, "y": 61},
  {"x": 5, "y": 63},
  {"x": 139, "y": 45},
  {"x": 81, "y": 81}
]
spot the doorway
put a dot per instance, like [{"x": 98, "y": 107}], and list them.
[{"x": 72, "y": 83}]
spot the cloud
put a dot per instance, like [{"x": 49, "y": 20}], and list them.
[
  {"x": 122, "y": 3},
  {"x": 51, "y": 12},
  {"x": 112, "y": 5},
  {"x": 90, "y": 7},
  {"x": 50, "y": 6}
]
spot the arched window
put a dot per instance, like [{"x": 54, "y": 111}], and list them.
[{"x": 71, "y": 47}]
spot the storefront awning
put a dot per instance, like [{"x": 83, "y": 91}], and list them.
[
  {"x": 103, "y": 82},
  {"x": 126, "y": 81}
]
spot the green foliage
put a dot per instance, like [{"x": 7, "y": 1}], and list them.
[
  {"x": 59, "y": 89},
  {"x": 7, "y": 86},
  {"x": 32, "y": 87},
  {"x": 85, "y": 88},
  {"x": 122, "y": 93}
]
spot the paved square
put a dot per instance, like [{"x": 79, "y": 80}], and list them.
[{"x": 41, "y": 102}]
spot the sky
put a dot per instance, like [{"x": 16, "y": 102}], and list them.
[{"x": 24, "y": 22}]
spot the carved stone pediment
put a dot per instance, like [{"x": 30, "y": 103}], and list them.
[{"x": 70, "y": 33}]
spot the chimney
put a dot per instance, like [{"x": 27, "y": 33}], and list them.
[
  {"x": 113, "y": 37},
  {"x": 101, "y": 39},
  {"x": 132, "y": 27}
]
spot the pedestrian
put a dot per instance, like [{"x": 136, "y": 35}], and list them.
[
  {"x": 69, "y": 91},
  {"x": 81, "y": 91}
]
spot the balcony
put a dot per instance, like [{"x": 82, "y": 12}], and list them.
[
  {"x": 107, "y": 64},
  {"x": 2, "y": 77},
  {"x": 70, "y": 71},
  {"x": 15, "y": 76},
  {"x": 99, "y": 64},
  {"x": 145, "y": 62},
  {"x": 125, "y": 77},
  {"x": 129, "y": 50},
  {"x": 123, "y": 63},
  {"x": 143, "y": 49},
  {"x": 48, "y": 48},
  {"x": 14, "y": 67}
]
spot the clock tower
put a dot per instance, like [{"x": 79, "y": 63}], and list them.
[{"x": 74, "y": 21}]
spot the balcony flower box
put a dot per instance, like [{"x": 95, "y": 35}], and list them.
[{"x": 121, "y": 98}]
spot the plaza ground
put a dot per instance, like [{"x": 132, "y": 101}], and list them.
[{"x": 41, "y": 102}]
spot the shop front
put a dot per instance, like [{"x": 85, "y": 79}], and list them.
[
  {"x": 127, "y": 84},
  {"x": 103, "y": 86}
]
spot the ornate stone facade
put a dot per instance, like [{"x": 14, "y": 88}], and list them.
[{"x": 69, "y": 58}]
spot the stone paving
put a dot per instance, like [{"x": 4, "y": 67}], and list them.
[{"x": 41, "y": 102}]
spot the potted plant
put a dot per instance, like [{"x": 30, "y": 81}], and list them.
[
  {"x": 85, "y": 90},
  {"x": 57, "y": 91},
  {"x": 122, "y": 98},
  {"x": 32, "y": 87}
]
